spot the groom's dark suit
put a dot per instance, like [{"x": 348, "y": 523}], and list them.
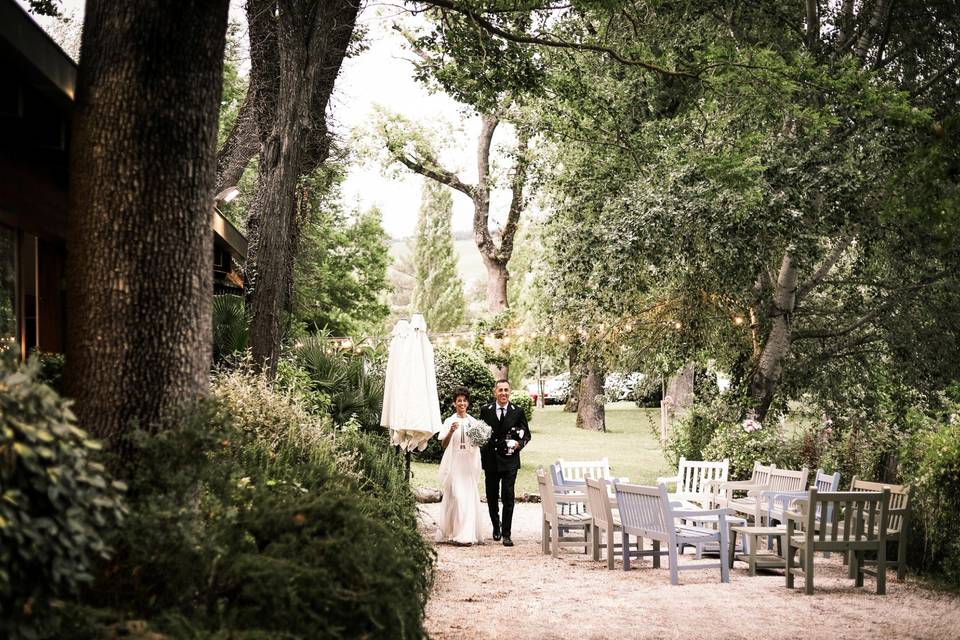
[{"x": 500, "y": 469}]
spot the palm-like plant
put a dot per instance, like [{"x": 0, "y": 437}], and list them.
[{"x": 230, "y": 327}]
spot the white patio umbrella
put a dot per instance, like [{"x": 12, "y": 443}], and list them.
[{"x": 411, "y": 408}]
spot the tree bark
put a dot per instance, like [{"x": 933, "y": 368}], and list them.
[
  {"x": 573, "y": 366},
  {"x": 291, "y": 83},
  {"x": 590, "y": 411},
  {"x": 238, "y": 149},
  {"x": 766, "y": 375},
  {"x": 142, "y": 171}
]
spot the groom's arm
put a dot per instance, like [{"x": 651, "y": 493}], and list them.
[{"x": 522, "y": 424}]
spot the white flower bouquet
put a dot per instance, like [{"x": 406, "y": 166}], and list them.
[{"x": 479, "y": 432}]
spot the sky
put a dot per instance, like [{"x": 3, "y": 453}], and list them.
[{"x": 383, "y": 75}]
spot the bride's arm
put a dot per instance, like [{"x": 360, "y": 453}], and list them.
[{"x": 446, "y": 438}]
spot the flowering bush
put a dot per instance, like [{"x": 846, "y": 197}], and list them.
[{"x": 744, "y": 446}]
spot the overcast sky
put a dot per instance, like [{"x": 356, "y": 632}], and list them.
[{"x": 383, "y": 75}]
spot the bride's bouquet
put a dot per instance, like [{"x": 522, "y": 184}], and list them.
[{"x": 479, "y": 432}]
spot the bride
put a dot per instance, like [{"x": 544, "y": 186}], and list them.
[{"x": 459, "y": 474}]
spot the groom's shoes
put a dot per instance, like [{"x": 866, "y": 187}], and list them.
[
  {"x": 507, "y": 542},
  {"x": 497, "y": 536}
]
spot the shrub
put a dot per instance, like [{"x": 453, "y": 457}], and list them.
[
  {"x": 523, "y": 400},
  {"x": 931, "y": 465},
  {"x": 458, "y": 368},
  {"x": 57, "y": 502},
  {"x": 734, "y": 440},
  {"x": 245, "y": 524},
  {"x": 690, "y": 435}
]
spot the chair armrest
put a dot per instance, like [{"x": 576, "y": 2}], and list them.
[
  {"x": 693, "y": 514},
  {"x": 786, "y": 499},
  {"x": 741, "y": 485},
  {"x": 667, "y": 479},
  {"x": 778, "y": 494},
  {"x": 569, "y": 498}
]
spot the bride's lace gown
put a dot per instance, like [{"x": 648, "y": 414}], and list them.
[{"x": 459, "y": 477}]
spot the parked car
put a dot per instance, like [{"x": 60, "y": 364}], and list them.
[
  {"x": 620, "y": 386},
  {"x": 556, "y": 390}
]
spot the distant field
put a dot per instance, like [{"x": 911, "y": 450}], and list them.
[
  {"x": 469, "y": 263},
  {"x": 629, "y": 443}
]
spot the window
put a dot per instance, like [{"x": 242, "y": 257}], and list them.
[{"x": 8, "y": 286}]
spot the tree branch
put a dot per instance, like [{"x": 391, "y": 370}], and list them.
[
  {"x": 481, "y": 194},
  {"x": 813, "y": 24},
  {"x": 517, "y": 201},
  {"x": 879, "y": 9},
  {"x": 824, "y": 269},
  {"x": 440, "y": 175},
  {"x": 937, "y": 77},
  {"x": 550, "y": 42},
  {"x": 240, "y": 146}
]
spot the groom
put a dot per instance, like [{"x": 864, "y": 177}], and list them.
[{"x": 501, "y": 456}]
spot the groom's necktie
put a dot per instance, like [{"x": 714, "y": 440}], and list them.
[{"x": 501, "y": 411}]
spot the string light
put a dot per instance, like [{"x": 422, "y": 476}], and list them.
[
  {"x": 738, "y": 320},
  {"x": 562, "y": 337},
  {"x": 677, "y": 325}
]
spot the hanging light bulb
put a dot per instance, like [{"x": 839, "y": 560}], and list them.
[
  {"x": 738, "y": 320},
  {"x": 677, "y": 325}
]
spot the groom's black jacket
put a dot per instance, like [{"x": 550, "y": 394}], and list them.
[{"x": 493, "y": 455}]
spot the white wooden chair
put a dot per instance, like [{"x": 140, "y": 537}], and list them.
[
  {"x": 857, "y": 523},
  {"x": 646, "y": 512},
  {"x": 606, "y": 521},
  {"x": 754, "y": 504},
  {"x": 556, "y": 525},
  {"x": 779, "y": 502},
  {"x": 574, "y": 472},
  {"x": 898, "y": 529},
  {"x": 694, "y": 480},
  {"x": 759, "y": 480}
]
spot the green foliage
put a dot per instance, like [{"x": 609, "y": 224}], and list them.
[
  {"x": 732, "y": 440},
  {"x": 931, "y": 465},
  {"x": 458, "y": 368},
  {"x": 353, "y": 381},
  {"x": 255, "y": 521},
  {"x": 57, "y": 502},
  {"x": 340, "y": 279},
  {"x": 437, "y": 291},
  {"x": 523, "y": 400},
  {"x": 231, "y": 328},
  {"x": 51, "y": 369},
  {"x": 690, "y": 435}
]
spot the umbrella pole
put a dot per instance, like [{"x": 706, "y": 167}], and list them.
[{"x": 407, "y": 467}]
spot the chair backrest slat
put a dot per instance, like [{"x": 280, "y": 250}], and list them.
[
  {"x": 580, "y": 470},
  {"x": 599, "y": 502},
  {"x": 865, "y": 515},
  {"x": 788, "y": 479},
  {"x": 640, "y": 507},
  {"x": 545, "y": 485},
  {"x": 899, "y": 507}
]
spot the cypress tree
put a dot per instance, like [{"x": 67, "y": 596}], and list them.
[{"x": 438, "y": 290}]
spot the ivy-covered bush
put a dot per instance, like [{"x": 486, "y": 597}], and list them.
[
  {"x": 523, "y": 400},
  {"x": 458, "y": 368},
  {"x": 747, "y": 442},
  {"x": 930, "y": 463},
  {"x": 690, "y": 435},
  {"x": 265, "y": 522},
  {"x": 56, "y": 502}
]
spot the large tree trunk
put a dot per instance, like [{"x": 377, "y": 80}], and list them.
[
  {"x": 590, "y": 412},
  {"x": 142, "y": 171},
  {"x": 573, "y": 366},
  {"x": 239, "y": 147},
  {"x": 291, "y": 87},
  {"x": 497, "y": 277},
  {"x": 766, "y": 375}
]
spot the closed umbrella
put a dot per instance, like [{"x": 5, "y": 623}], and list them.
[{"x": 411, "y": 408}]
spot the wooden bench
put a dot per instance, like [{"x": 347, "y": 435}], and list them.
[
  {"x": 694, "y": 480},
  {"x": 646, "y": 512},
  {"x": 754, "y": 504},
  {"x": 606, "y": 521},
  {"x": 853, "y": 522},
  {"x": 557, "y": 525},
  {"x": 759, "y": 481},
  {"x": 898, "y": 529}
]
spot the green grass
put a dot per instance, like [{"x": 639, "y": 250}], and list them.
[{"x": 629, "y": 443}]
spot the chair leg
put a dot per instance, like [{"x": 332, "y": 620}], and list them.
[
  {"x": 808, "y": 571},
  {"x": 545, "y": 537},
  {"x": 882, "y": 569},
  {"x": 724, "y": 564},
  {"x": 857, "y": 564},
  {"x": 595, "y": 542},
  {"x": 626, "y": 551},
  {"x": 901, "y": 557},
  {"x": 674, "y": 571},
  {"x": 656, "y": 554},
  {"x": 610, "y": 547},
  {"x": 733, "y": 548},
  {"x": 788, "y": 564},
  {"x": 555, "y": 540},
  {"x": 640, "y": 546}
]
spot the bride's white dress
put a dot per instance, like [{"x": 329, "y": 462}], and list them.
[{"x": 460, "y": 510}]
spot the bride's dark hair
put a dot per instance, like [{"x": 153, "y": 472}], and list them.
[{"x": 461, "y": 391}]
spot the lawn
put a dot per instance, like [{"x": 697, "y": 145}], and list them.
[{"x": 629, "y": 442}]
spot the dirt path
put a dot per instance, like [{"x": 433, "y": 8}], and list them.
[{"x": 490, "y": 591}]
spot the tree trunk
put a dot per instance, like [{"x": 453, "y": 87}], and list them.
[
  {"x": 766, "y": 375},
  {"x": 238, "y": 149},
  {"x": 142, "y": 172},
  {"x": 291, "y": 86},
  {"x": 573, "y": 366},
  {"x": 590, "y": 412},
  {"x": 497, "y": 277}
]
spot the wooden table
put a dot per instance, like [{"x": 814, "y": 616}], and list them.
[{"x": 755, "y": 556}]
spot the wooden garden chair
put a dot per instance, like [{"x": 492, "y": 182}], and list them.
[
  {"x": 759, "y": 480},
  {"x": 778, "y": 502},
  {"x": 606, "y": 521},
  {"x": 853, "y": 522},
  {"x": 754, "y": 504},
  {"x": 694, "y": 480},
  {"x": 898, "y": 529},
  {"x": 557, "y": 525},
  {"x": 646, "y": 512}
]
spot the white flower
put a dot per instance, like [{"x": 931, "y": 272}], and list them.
[
  {"x": 750, "y": 425},
  {"x": 479, "y": 432}
]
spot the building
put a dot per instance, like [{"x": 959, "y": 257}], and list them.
[{"x": 37, "y": 83}]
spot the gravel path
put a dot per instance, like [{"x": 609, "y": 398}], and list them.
[{"x": 490, "y": 591}]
